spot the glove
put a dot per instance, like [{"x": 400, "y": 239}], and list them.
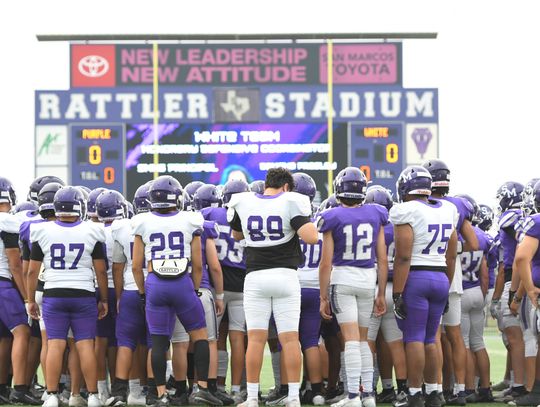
[
  {"x": 511, "y": 294},
  {"x": 400, "y": 310},
  {"x": 495, "y": 308},
  {"x": 446, "y": 307},
  {"x": 142, "y": 302}
]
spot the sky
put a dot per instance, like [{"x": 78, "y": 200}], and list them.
[{"x": 485, "y": 63}]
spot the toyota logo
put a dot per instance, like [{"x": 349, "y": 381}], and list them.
[{"x": 93, "y": 66}]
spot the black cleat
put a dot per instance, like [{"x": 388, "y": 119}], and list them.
[
  {"x": 530, "y": 399},
  {"x": 456, "y": 399},
  {"x": 386, "y": 396},
  {"x": 416, "y": 401},
  {"x": 433, "y": 400},
  {"x": 151, "y": 398},
  {"x": 163, "y": 401},
  {"x": 24, "y": 397},
  {"x": 224, "y": 397},
  {"x": 180, "y": 400},
  {"x": 114, "y": 401},
  {"x": 203, "y": 396}
]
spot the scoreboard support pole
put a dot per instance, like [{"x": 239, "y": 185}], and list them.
[
  {"x": 330, "y": 115},
  {"x": 156, "y": 107}
]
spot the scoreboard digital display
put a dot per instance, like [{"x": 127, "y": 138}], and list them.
[
  {"x": 377, "y": 149},
  {"x": 97, "y": 156}
]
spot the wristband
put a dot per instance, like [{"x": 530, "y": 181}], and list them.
[{"x": 220, "y": 296}]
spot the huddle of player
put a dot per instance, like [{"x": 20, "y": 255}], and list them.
[{"x": 363, "y": 286}]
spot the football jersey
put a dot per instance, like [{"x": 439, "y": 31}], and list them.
[
  {"x": 390, "y": 248},
  {"x": 267, "y": 224},
  {"x": 433, "y": 223},
  {"x": 507, "y": 224},
  {"x": 471, "y": 262},
  {"x": 231, "y": 253},
  {"x": 109, "y": 245},
  {"x": 532, "y": 228},
  {"x": 493, "y": 258},
  {"x": 210, "y": 231},
  {"x": 67, "y": 252},
  {"x": 24, "y": 216},
  {"x": 8, "y": 224},
  {"x": 169, "y": 235},
  {"x": 354, "y": 231},
  {"x": 308, "y": 271},
  {"x": 123, "y": 250}
]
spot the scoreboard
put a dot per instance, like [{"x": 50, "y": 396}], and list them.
[
  {"x": 97, "y": 156},
  {"x": 377, "y": 149}
]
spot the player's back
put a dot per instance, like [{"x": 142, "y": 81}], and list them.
[
  {"x": 471, "y": 262},
  {"x": 8, "y": 225},
  {"x": 531, "y": 228}
]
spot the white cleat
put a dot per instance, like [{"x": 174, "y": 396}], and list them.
[
  {"x": 76, "y": 400},
  {"x": 347, "y": 402},
  {"x": 103, "y": 397},
  {"x": 237, "y": 397},
  {"x": 249, "y": 403},
  {"x": 94, "y": 400},
  {"x": 369, "y": 401},
  {"x": 44, "y": 396},
  {"x": 318, "y": 400},
  {"x": 51, "y": 401},
  {"x": 293, "y": 403},
  {"x": 136, "y": 399}
]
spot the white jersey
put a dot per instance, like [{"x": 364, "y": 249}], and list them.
[
  {"x": 308, "y": 272},
  {"x": 109, "y": 245},
  {"x": 167, "y": 236},
  {"x": 432, "y": 223},
  {"x": 8, "y": 224},
  {"x": 67, "y": 252},
  {"x": 266, "y": 219}
]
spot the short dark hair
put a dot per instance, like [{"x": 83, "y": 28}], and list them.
[
  {"x": 351, "y": 201},
  {"x": 278, "y": 177}
]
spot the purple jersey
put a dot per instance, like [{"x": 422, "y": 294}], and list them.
[
  {"x": 507, "y": 223},
  {"x": 210, "y": 231},
  {"x": 24, "y": 236},
  {"x": 390, "y": 248},
  {"x": 464, "y": 208},
  {"x": 230, "y": 252},
  {"x": 471, "y": 262},
  {"x": 355, "y": 232},
  {"x": 493, "y": 258},
  {"x": 532, "y": 228}
]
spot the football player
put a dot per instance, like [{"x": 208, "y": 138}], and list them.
[
  {"x": 91, "y": 210},
  {"x": 189, "y": 192},
  {"x": 72, "y": 254},
  {"x": 426, "y": 248},
  {"x": 452, "y": 340},
  {"x": 39, "y": 183},
  {"x": 169, "y": 240},
  {"x": 233, "y": 264},
  {"x": 353, "y": 240},
  {"x": 271, "y": 224},
  {"x": 387, "y": 325}
]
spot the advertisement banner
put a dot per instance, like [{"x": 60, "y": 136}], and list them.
[
  {"x": 276, "y": 104},
  {"x": 51, "y": 145},
  {"x": 234, "y": 64}
]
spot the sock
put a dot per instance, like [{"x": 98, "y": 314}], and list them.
[
  {"x": 414, "y": 390},
  {"x": 387, "y": 384},
  {"x": 283, "y": 388},
  {"x": 353, "y": 367},
  {"x": 135, "y": 387},
  {"x": 119, "y": 387},
  {"x": 102, "y": 386},
  {"x": 152, "y": 386},
  {"x": 181, "y": 387},
  {"x": 307, "y": 385},
  {"x": 276, "y": 367},
  {"x": 294, "y": 392},
  {"x": 190, "y": 367},
  {"x": 342, "y": 372},
  {"x": 316, "y": 388},
  {"x": 439, "y": 388},
  {"x": 253, "y": 391},
  {"x": 402, "y": 385},
  {"x": 367, "y": 367},
  {"x": 458, "y": 387},
  {"x": 511, "y": 378},
  {"x": 169, "y": 371},
  {"x": 223, "y": 363},
  {"x": 235, "y": 388},
  {"x": 212, "y": 385},
  {"x": 20, "y": 387},
  {"x": 160, "y": 345},
  {"x": 201, "y": 359},
  {"x": 430, "y": 388}
]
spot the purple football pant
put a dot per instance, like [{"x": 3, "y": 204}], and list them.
[
  {"x": 425, "y": 296},
  {"x": 167, "y": 299},
  {"x": 106, "y": 327},
  {"x": 310, "y": 318},
  {"x": 12, "y": 310},
  {"x": 79, "y": 314},
  {"x": 130, "y": 322}
]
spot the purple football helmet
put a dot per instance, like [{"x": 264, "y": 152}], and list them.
[
  {"x": 233, "y": 187},
  {"x": 111, "y": 205},
  {"x": 328, "y": 203},
  {"x": 46, "y": 195},
  {"x": 165, "y": 192},
  {"x": 141, "y": 203},
  {"x": 130, "y": 209},
  {"x": 189, "y": 193},
  {"x": 413, "y": 180},
  {"x": 351, "y": 183},
  {"x": 25, "y": 206},
  {"x": 485, "y": 217},
  {"x": 472, "y": 207},
  {"x": 305, "y": 185},
  {"x": 527, "y": 196},
  {"x": 39, "y": 183},
  {"x": 206, "y": 196},
  {"x": 68, "y": 202},
  {"x": 440, "y": 173},
  {"x": 7, "y": 193},
  {"x": 379, "y": 195},
  {"x": 257, "y": 187},
  {"x": 509, "y": 196},
  {"x": 91, "y": 201}
]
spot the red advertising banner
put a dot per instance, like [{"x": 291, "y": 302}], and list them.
[{"x": 93, "y": 66}]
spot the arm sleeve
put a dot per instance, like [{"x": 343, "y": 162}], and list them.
[
  {"x": 234, "y": 220},
  {"x": 98, "y": 253},
  {"x": 298, "y": 221},
  {"x": 25, "y": 251},
  {"x": 11, "y": 240},
  {"x": 118, "y": 255},
  {"x": 36, "y": 253}
]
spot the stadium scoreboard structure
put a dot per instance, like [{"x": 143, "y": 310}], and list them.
[{"x": 232, "y": 111}]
